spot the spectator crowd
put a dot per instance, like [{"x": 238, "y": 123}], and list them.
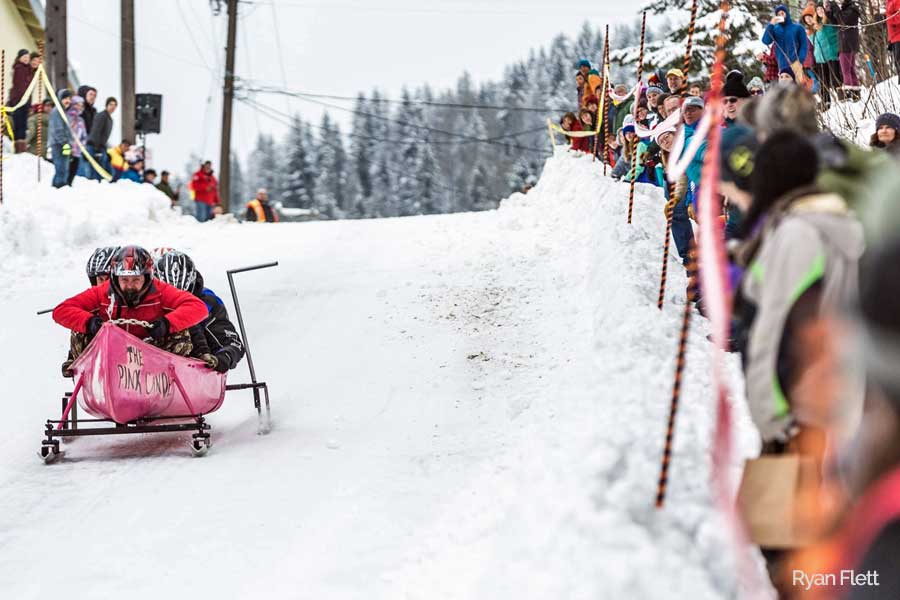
[
  {"x": 79, "y": 139},
  {"x": 812, "y": 227}
]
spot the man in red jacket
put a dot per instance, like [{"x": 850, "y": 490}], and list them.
[
  {"x": 206, "y": 191},
  {"x": 132, "y": 293}
]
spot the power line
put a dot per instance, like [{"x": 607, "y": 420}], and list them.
[
  {"x": 275, "y": 117},
  {"x": 286, "y": 92},
  {"x": 280, "y": 53},
  {"x": 425, "y": 127},
  {"x": 418, "y": 142},
  {"x": 159, "y": 51}
]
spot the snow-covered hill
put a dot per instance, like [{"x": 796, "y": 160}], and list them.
[{"x": 465, "y": 406}]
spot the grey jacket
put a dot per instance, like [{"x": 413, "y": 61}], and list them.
[
  {"x": 815, "y": 239},
  {"x": 59, "y": 133}
]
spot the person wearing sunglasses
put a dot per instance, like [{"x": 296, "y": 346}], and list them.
[
  {"x": 733, "y": 95},
  {"x": 756, "y": 87}
]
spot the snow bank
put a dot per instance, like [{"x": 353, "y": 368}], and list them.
[
  {"x": 569, "y": 512},
  {"x": 38, "y": 221},
  {"x": 856, "y": 120}
]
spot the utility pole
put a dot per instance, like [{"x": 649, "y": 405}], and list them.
[
  {"x": 225, "y": 154},
  {"x": 127, "y": 99},
  {"x": 56, "y": 61}
]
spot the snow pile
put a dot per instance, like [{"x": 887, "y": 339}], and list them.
[
  {"x": 569, "y": 511},
  {"x": 856, "y": 120},
  {"x": 38, "y": 221}
]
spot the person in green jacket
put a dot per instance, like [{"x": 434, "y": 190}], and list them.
[
  {"x": 623, "y": 107},
  {"x": 826, "y": 49},
  {"x": 166, "y": 188}
]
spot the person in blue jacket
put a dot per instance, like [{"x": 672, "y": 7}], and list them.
[{"x": 789, "y": 38}]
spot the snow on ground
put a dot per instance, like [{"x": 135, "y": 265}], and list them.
[{"x": 465, "y": 406}]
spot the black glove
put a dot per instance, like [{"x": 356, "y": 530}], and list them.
[
  {"x": 93, "y": 325},
  {"x": 224, "y": 362},
  {"x": 159, "y": 329}
]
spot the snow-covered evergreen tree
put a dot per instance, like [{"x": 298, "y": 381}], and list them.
[
  {"x": 238, "y": 193},
  {"x": 331, "y": 181},
  {"x": 300, "y": 168},
  {"x": 360, "y": 167},
  {"x": 265, "y": 169},
  {"x": 744, "y": 29}
]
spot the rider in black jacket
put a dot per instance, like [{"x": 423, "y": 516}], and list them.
[{"x": 215, "y": 339}]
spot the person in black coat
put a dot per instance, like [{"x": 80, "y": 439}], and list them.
[
  {"x": 90, "y": 96},
  {"x": 215, "y": 339},
  {"x": 846, "y": 17},
  {"x": 99, "y": 136}
]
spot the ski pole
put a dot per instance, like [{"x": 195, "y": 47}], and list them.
[
  {"x": 637, "y": 99},
  {"x": 680, "y": 360}
]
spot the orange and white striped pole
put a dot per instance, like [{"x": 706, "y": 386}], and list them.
[{"x": 637, "y": 98}]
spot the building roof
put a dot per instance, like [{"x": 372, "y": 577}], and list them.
[{"x": 32, "y": 13}]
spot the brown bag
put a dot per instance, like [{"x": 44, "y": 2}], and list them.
[{"x": 771, "y": 499}]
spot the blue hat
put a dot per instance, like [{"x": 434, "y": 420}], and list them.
[
  {"x": 628, "y": 128},
  {"x": 654, "y": 88},
  {"x": 583, "y": 63}
]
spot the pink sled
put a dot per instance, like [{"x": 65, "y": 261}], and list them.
[{"x": 124, "y": 379}]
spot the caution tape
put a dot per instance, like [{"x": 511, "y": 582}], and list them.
[{"x": 84, "y": 153}]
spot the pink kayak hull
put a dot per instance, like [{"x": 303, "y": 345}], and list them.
[{"x": 124, "y": 379}]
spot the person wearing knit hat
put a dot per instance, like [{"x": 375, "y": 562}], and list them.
[
  {"x": 756, "y": 87},
  {"x": 786, "y": 75},
  {"x": 584, "y": 67},
  {"x": 733, "y": 95},
  {"x": 887, "y": 133},
  {"x": 737, "y": 161},
  {"x": 803, "y": 248}
]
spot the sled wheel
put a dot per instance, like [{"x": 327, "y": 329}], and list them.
[
  {"x": 50, "y": 452},
  {"x": 200, "y": 446}
]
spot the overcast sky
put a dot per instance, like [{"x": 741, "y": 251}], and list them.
[{"x": 325, "y": 46}]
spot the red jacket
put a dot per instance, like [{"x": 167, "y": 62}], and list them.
[
  {"x": 579, "y": 143},
  {"x": 181, "y": 309},
  {"x": 22, "y": 75},
  {"x": 893, "y": 23},
  {"x": 206, "y": 188}
]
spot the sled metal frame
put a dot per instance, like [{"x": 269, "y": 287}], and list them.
[
  {"x": 69, "y": 425},
  {"x": 265, "y": 422}
]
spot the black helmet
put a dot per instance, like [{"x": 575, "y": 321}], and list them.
[
  {"x": 100, "y": 262},
  {"x": 177, "y": 269},
  {"x": 131, "y": 261}
]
